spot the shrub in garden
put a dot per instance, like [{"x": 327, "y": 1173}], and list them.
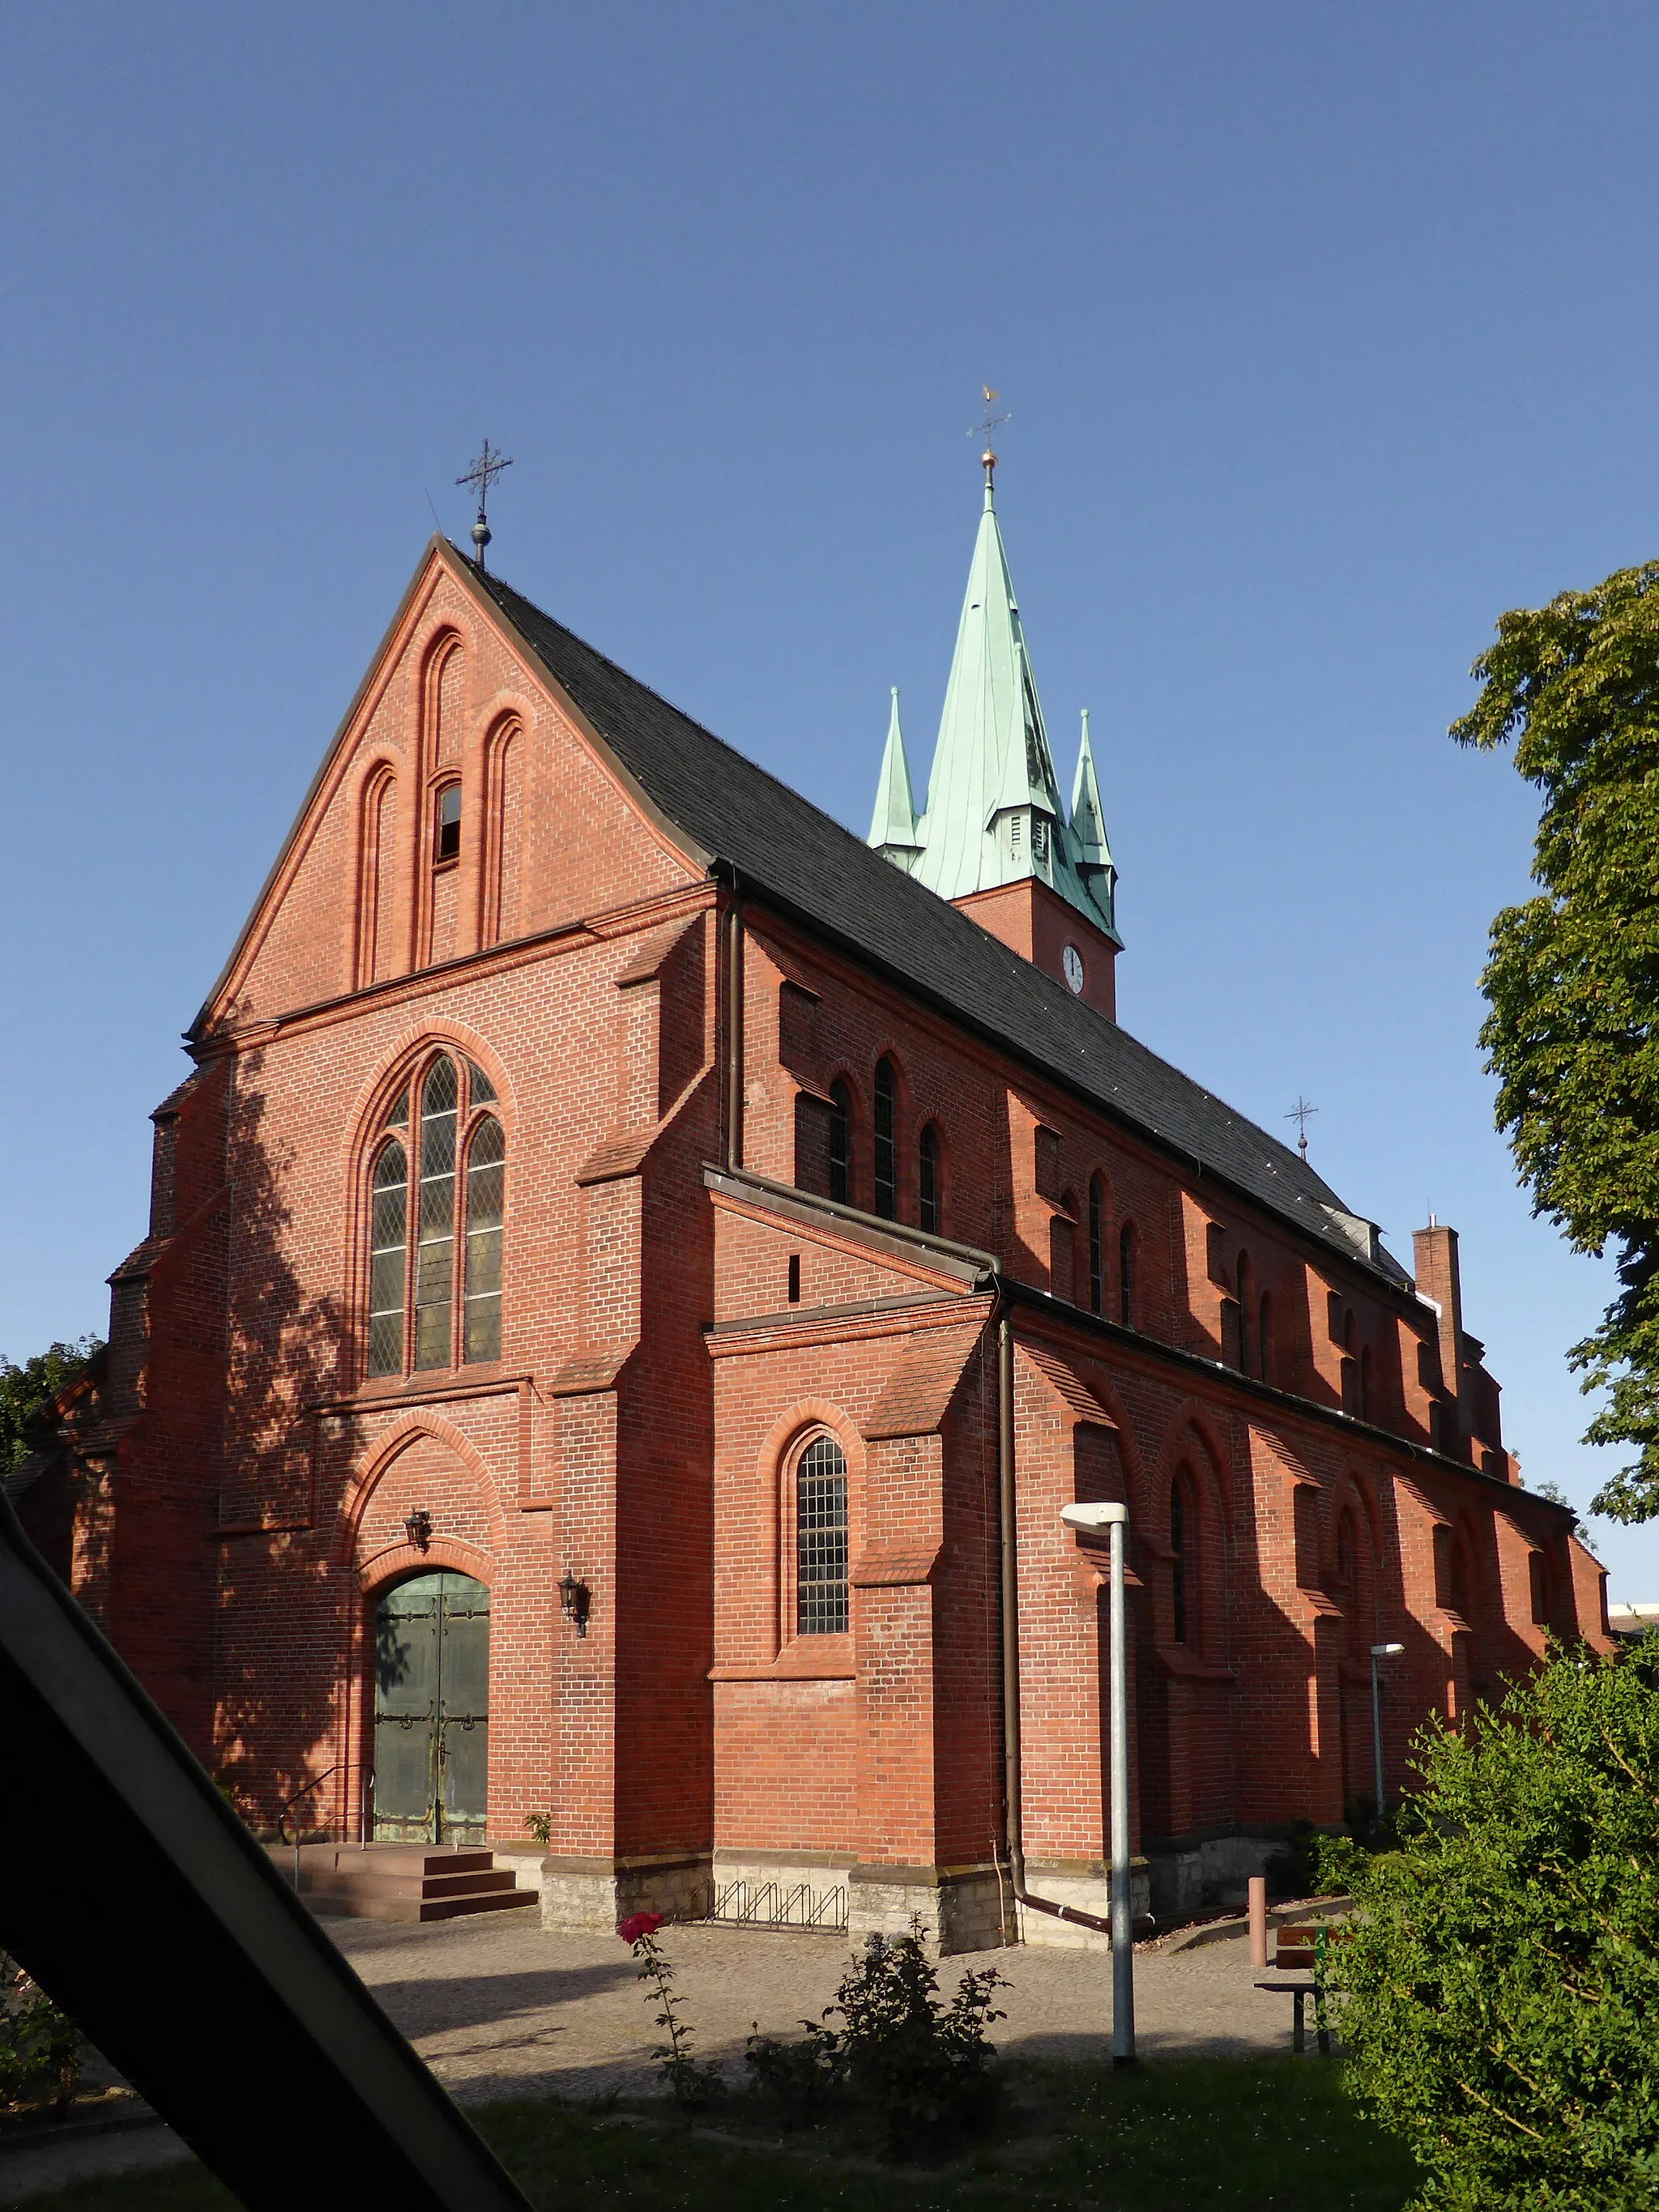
[
  {"x": 41, "y": 2050},
  {"x": 923, "y": 2065},
  {"x": 1500, "y": 1995}
]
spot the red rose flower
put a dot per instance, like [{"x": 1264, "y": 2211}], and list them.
[{"x": 638, "y": 1924}]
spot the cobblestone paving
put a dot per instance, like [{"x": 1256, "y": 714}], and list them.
[{"x": 499, "y": 2009}]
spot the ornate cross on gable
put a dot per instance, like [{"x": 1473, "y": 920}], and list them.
[{"x": 483, "y": 473}]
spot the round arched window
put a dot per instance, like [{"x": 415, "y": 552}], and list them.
[{"x": 821, "y": 1539}]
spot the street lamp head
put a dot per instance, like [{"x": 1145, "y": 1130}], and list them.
[
  {"x": 1387, "y": 1650},
  {"x": 1095, "y": 1515}
]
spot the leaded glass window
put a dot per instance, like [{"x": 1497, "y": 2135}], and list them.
[
  {"x": 886, "y": 1150},
  {"x": 1096, "y": 1257},
  {"x": 840, "y": 1141},
  {"x": 821, "y": 1539},
  {"x": 387, "y": 1259},
  {"x": 1178, "y": 1563},
  {"x": 927, "y": 1161},
  {"x": 485, "y": 1176},
  {"x": 437, "y": 1195},
  {"x": 434, "y": 1256},
  {"x": 1125, "y": 1275}
]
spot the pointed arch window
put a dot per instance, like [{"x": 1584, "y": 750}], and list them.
[
  {"x": 886, "y": 1140},
  {"x": 486, "y": 1175},
  {"x": 840, "y": 1141},
  {"x": 435, "y": 1183},
  {"x": 1180, "y": 1535},
  {"x": 388, "y": 1242},
  {"x": 1246, "y": 1314},
  {"x": 927, "y": 1164},
  {"x": 1096, "y": 1251},
  {"x": 435, "y": 1244},
  {"x": 1264, "y": 1338},
  {"x": 1126, "y": 1274}
]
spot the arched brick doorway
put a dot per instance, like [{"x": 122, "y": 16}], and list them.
[{"x": 432, "y": 1709}]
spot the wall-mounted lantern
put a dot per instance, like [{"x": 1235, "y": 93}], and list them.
[
  {"x": 417, "y": 1526},
  {"x": 574, "y": 1599}
]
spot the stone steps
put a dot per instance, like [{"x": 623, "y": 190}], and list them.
[{"x": 405, "y": 1881}]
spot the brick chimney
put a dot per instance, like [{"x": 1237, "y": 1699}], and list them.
[{"x": 1435, "y": 1252}]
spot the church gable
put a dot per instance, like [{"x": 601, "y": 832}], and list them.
[{"x": 464, "y": 804}]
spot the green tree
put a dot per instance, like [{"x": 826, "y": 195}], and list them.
[
  {"x": 1572, "y": 976},
  {"x": 24, "y": 1392},
  {"x": 1500, "y": 2002}
]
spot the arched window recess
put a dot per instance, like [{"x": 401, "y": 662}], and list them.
[{"x": 437, "y": 1174}]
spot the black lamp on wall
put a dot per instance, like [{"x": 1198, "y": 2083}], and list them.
[
  {"x": 417, "y": 1526},
  {"x": 574, "y": 1599}
]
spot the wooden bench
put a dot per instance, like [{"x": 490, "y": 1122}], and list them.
[{"x": 1299, "y": 1993}]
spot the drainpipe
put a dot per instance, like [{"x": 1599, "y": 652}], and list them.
[
  {"x": 1009, "y": 1538},
  {"x": 734, "y": 995}
]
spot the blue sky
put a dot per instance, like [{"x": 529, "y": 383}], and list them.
[{"x": 1328, "y": 334}]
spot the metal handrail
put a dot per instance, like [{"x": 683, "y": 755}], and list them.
[{"x": 340, "y": 1765}]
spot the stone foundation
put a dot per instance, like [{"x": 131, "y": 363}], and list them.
[
  {"x": 1087, "y": 1885},
  {"x": 589, "y": 1896},
  {"x": 960, "y": 1909},
  {"x": 526, "y": 1860},
  {"x": 1211, "y": 1868}
]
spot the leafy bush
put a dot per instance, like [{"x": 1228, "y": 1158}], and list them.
[
  {"x": 1500, "y": 1994},
  {"x": 920, "y": 2064},
  {"x": 41, "y": 2051}
]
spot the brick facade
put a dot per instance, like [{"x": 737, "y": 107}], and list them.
[{"x": 1309, "y": 1451}]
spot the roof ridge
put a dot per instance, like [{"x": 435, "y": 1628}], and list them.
[
  {"x": 772, "y": 835},
  {"x": 492, "y": 583}
]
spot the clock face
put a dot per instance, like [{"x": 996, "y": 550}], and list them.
[{"x": 1071, "y": 961}]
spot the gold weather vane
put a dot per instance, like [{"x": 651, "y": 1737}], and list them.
[
  {"x": 988, "y": 422},
  {"x": 1299, "y": 1113},
  {"x": 483, "y": 472}
]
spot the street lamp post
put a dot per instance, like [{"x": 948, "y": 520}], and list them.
[
  {"x": 1092, "y": 1516},
  {"x": 1379, "y": 1652}
]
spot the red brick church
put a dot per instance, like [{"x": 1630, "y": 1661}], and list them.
[{"x": 635, "y": 1273}]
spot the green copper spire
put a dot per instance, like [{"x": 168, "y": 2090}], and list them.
[
  {"x": 893, "y": 826},
  {"x": 994, "y": 814},
  {"x": 1089, "y": 849}
]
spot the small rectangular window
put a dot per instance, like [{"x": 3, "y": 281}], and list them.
[
  {"x": 794, "y": 1278},
  {"x": 448, "y": 844}
]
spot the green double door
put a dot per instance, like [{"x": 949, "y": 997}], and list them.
[{"x": 432, "y": 1711}]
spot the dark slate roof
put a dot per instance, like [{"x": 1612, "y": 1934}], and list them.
[{"x": 782, "y": 844}]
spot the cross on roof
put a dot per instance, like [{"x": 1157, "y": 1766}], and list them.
[
  {"x": 1299, "y": 1113},
  {"x": 987, "y": 423},
  {"x": 483, "y": 472}
]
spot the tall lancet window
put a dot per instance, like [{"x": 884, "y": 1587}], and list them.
[
  {"x": 840, "y": 1141},
  {"x": 435, "y": 1265},
  {"x": 929, "y": 1177},
  {"x": 486, "y": 1172},
  {"x": 886, "y": 1140},
  {"x": 388, "y": 1237}
]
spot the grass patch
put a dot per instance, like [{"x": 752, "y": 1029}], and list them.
[{"x": 1253, "y": 2135}]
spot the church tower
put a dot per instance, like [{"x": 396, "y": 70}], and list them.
[{"x": 995, "y": 838}]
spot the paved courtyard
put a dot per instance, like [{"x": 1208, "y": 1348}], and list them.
[{"x": 499, "y": 2009}]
